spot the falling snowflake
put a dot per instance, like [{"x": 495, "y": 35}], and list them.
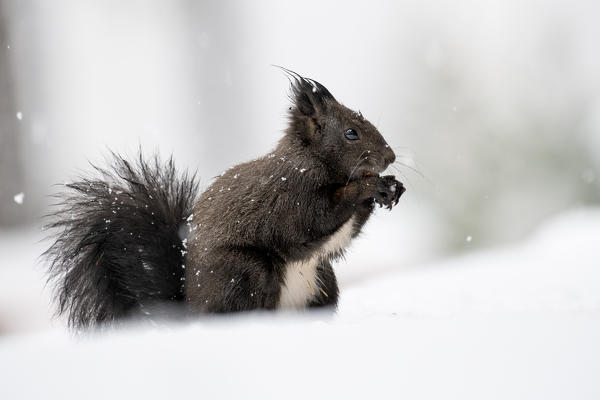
[{"x": 18, "y": 198}]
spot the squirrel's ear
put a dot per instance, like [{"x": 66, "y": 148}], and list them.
[{"x": 309, "y": 96}]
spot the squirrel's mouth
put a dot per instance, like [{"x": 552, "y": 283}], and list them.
[
  {"x": 370, "y": 168},
  {"x": 368, "y": 171}
]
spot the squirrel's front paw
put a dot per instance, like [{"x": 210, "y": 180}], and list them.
[{"x": 387, "y": 191}]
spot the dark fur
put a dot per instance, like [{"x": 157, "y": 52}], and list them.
[
  {"x": 244, "y": 229},
  {"x": 260, "y": 215},
  {"x": 119, "y": 247}
]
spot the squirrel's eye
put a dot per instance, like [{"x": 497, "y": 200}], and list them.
[{"x": 351, "y": 134}]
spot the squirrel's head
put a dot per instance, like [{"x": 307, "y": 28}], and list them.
[{"x": 343, "y": 139}]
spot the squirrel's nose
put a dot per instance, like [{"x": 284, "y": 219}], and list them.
[{"x": 389, "y": 157}]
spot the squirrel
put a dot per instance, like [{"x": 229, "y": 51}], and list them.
[{"x": 263, "y": 235}]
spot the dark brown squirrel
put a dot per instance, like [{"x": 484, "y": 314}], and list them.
[{"x": 261, "y": 236}]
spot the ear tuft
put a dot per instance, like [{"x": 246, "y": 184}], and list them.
[
  {"x": 308, "y": 95},
  {"x": 304, "y": 104}
]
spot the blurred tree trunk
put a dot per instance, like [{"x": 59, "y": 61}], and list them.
[{"x": 11, "y": 169}]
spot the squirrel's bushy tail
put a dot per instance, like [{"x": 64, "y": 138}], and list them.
[{"x": 120, "y": 240}]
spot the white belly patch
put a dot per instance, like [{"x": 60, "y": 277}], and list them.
[{"x": 300, "y": 282}]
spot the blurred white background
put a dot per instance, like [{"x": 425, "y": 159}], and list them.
[
  {"x": 494, "y": 107},
  {"x": 495, "y": 103}
]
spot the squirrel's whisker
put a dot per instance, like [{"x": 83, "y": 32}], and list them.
[
  {"x": 413, "y": 169},
  {"x": 360, "y": 159}
]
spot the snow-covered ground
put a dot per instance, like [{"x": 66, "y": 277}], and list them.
[{"x": 522, "y": 321}]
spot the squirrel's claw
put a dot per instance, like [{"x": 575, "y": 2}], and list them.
[
  {"x": 388, "y": 192},
  {"x": 400, "y": 189}
]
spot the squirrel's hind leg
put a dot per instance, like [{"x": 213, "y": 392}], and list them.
[
  {"x": 328, "y": 291},
  {"x": 236, "y": 280}
]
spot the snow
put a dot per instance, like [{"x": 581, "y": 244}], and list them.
[
  {"x": 19, "y": 115},
  {"x": 520, "y": 321},
  {"x": 19, "y": 197}
]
